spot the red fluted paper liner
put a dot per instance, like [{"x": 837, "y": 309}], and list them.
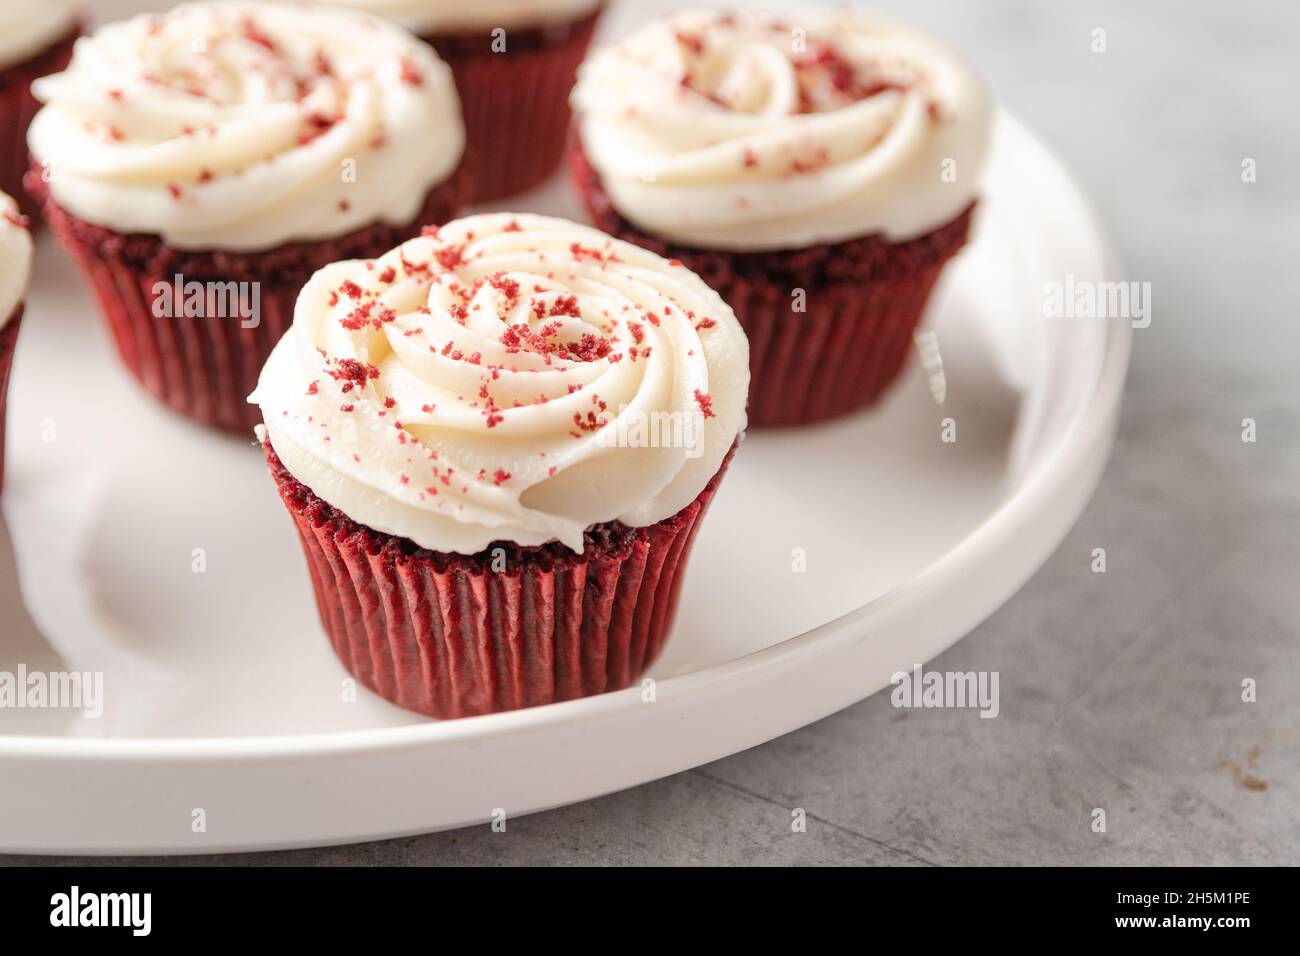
[
  {"x": 206, "y": 367},
  {"x": 516, "y": 103},
  {"x": 447, "y": 635},
  {"x": 838, "y": 356},
  {"x": 17, "y": 107},
  {"x": 8, "y": 342},
  {"x": 860, "y": 302}
]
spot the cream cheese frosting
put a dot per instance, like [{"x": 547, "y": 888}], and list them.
[
  {"x": 428, "y": 17},
  {"x": 241, "y": 126},
  {"x": 15, "y": 258},
  {"x": 30, "y": 27},
  {"x": 752, "y": 133},
  {"x": 506, "y": 378}
]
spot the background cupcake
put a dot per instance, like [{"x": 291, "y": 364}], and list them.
[
  {"x": 514, "y": 62},
  {"x": 818, "y": 172},
  {"x": 15, "y": 270},
  {"x": 36, "y": 38},
  {"x": 497, "y": 443},
  {"x": 201, "y": 164}
]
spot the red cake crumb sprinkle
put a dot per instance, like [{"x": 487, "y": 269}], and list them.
[
  {"x": 388, "y": 275},
  {"x": 705, "y": 401},
  {"x": 256, "y": 34},
  {"x": 750, "y": 159},
  {"x": 814, "y": 164},
  {"x": 353, "y": 373},
  {"x": 506, "y": 286},
  {"x": 565, "y": 306},
  {"x": 346, "y": 408},
  {"x": 638, "y": 332},
  {"x": 372, "y": 313},
  {"x": 313, "y": 388},
  {"x": 350, "y": 289},
  {"x": 512, "y": 226},
  {"x": 344, "y": 205},
  {"x": 449, "y": 257},
  {"x": 704, "y": 323},
  {"x": 691, "y": 41},
  {"x": 500, "y": 477},
  {"x": 589, "y": 348},
  {"x": 174, "y": 190},
  {"x": 318, "y": 124},
  {"x": 411, "y": 74},
  {"x": 587, "y": 423},
  {"x": 580, "y": 252}
]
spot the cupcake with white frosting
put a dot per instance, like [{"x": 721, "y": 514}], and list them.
[
  {"x": 514, "y": 62},
  {"x": 497, "y": 443},
  {"x": 817, "y": 171},
  {"x": 200, "y": 165},
  {"x": 36, "y": 38},
  {"x": 15, "y": 271}
]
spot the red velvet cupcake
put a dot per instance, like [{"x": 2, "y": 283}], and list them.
[
  {"x": 515, "y": 62},
  {"x": 197, "y": 201},
  {"x": 497, "y": 444},
  {"x": 36, "y": 38},
  {"x": 15, "y": 270},
  {"x": 819, "y": 173}
]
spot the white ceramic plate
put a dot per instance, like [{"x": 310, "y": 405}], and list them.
[{"x": 221, "y": 693}]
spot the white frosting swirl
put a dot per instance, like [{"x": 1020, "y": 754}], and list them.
[
  {"x": 742, "y": 133},
  {"x": 241, "y": 126},
  {"x": 428, "y": 17},
  {"x": 15, "y": 258},
  {"x": 487, "y": 384},
  {"x": 30, "y": 27}
]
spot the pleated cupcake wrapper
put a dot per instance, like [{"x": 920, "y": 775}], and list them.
[
  {"x": 17, "y": 107},
  {"x": 516, "y": 108},
  {"x": 8, "y": 343},
  {"x": 838, "y": 356},
  {"x": 454, "y": 639},
  {"x": 201, "y": 367}
]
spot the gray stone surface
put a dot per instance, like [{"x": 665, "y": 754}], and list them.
[{"x": 1119, "y": 690}]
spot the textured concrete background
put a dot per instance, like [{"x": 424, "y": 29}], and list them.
[{"x": 1119, "y": 690}]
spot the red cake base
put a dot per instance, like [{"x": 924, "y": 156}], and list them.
[
  {"x": 448, "y": 636},
  {"x": 516, "y": 103},
  {"x": 8, "y": 342},
  {"x": 205, "y": 367},
  {"x": 17, "y": 107},
  {"x": 863, "y": 300}
]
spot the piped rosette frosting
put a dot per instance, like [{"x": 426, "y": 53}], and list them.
[
  {"x": 30, "y": 27},
  {"x": 478, "y": 384},
  {"x": 241, "y": 126},
  {"x": 750, "y": 133}
]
